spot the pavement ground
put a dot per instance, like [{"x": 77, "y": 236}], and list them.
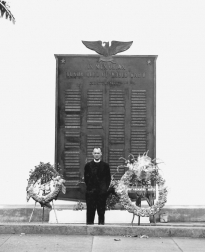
[{"x": 89, "y": 243}]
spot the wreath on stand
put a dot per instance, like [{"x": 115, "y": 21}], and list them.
[
  {"x": 138, "y": 178},
  {"x": 44, "y": 184}
]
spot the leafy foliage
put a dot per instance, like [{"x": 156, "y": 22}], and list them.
[
  {"x": 112, "y": 198},
  {"x": 111, "y": 201},
  {"x": 43, "y": 171},
  {"x": 4, "y": 11}
]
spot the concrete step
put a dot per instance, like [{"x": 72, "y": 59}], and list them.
[{"x": 66, "y": 214}]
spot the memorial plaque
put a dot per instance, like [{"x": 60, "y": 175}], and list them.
[{"x": 106, "y": 102}]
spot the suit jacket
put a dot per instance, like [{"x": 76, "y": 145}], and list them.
[{"x": 97, "y": 179}]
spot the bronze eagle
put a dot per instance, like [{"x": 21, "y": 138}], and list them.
[{"x": 105, "y": 50}]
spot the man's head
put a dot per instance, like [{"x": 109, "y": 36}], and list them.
[{"x": 97, "y": 153}]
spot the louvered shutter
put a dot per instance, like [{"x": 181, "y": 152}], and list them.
[
  {"x": 116, "y": 143},
  {"x": 72, "y": 136},
  {"x": 138, "y": 139}
]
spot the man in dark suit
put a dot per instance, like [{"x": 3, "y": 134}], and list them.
[{"x": 97, "y": 179}]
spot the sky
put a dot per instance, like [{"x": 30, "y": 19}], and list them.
[{"x": 173, "y": 30}]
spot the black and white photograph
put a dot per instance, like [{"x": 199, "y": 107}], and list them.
[{"x": 102, "y": 108}]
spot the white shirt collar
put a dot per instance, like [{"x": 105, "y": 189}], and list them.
[{"x": 97, "y": 161}]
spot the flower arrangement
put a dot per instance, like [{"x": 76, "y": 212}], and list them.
[
  {"x": 138, "y": 178},
  {"x": 44, "y": 184},
  {"x": 112, "y": 198}
]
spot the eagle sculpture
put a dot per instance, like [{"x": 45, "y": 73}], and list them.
[{"x": 105, "y": 50}]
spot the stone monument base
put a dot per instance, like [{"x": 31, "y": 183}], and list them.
[{"x": 111, "y": 217}]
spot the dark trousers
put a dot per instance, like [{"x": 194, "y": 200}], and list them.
[{"x": 95, "y": 201}]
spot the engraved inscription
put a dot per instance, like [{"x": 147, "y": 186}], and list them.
[
  {"x": 111, "y": 83},
  {"x": 104, "y": 73},
  {"x": 109, "y": 66}
]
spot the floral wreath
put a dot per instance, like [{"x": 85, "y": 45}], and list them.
[
  {"x": 140, "y": 174},
  {"x": 44, "y": 184}
]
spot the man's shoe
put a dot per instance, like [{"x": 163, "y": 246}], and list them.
[{"x": 89, "y": 223}]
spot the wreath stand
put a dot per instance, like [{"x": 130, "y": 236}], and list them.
[
  {"x": 43, "y": 212},
  {"x": 150, "y": 201},
  {"x": 132, "y": 184}
]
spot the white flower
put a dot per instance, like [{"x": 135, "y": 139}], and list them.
[
  {"x": 144, "y": 161},
  {"x": 130, "y": 166}
]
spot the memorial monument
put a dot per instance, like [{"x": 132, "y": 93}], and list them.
[{"x": 103, "y": 100}]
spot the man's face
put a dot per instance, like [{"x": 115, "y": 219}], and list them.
[{"x": 97, "y": 154}]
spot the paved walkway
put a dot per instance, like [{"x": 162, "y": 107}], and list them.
[{"x": 89, "y": 243}]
